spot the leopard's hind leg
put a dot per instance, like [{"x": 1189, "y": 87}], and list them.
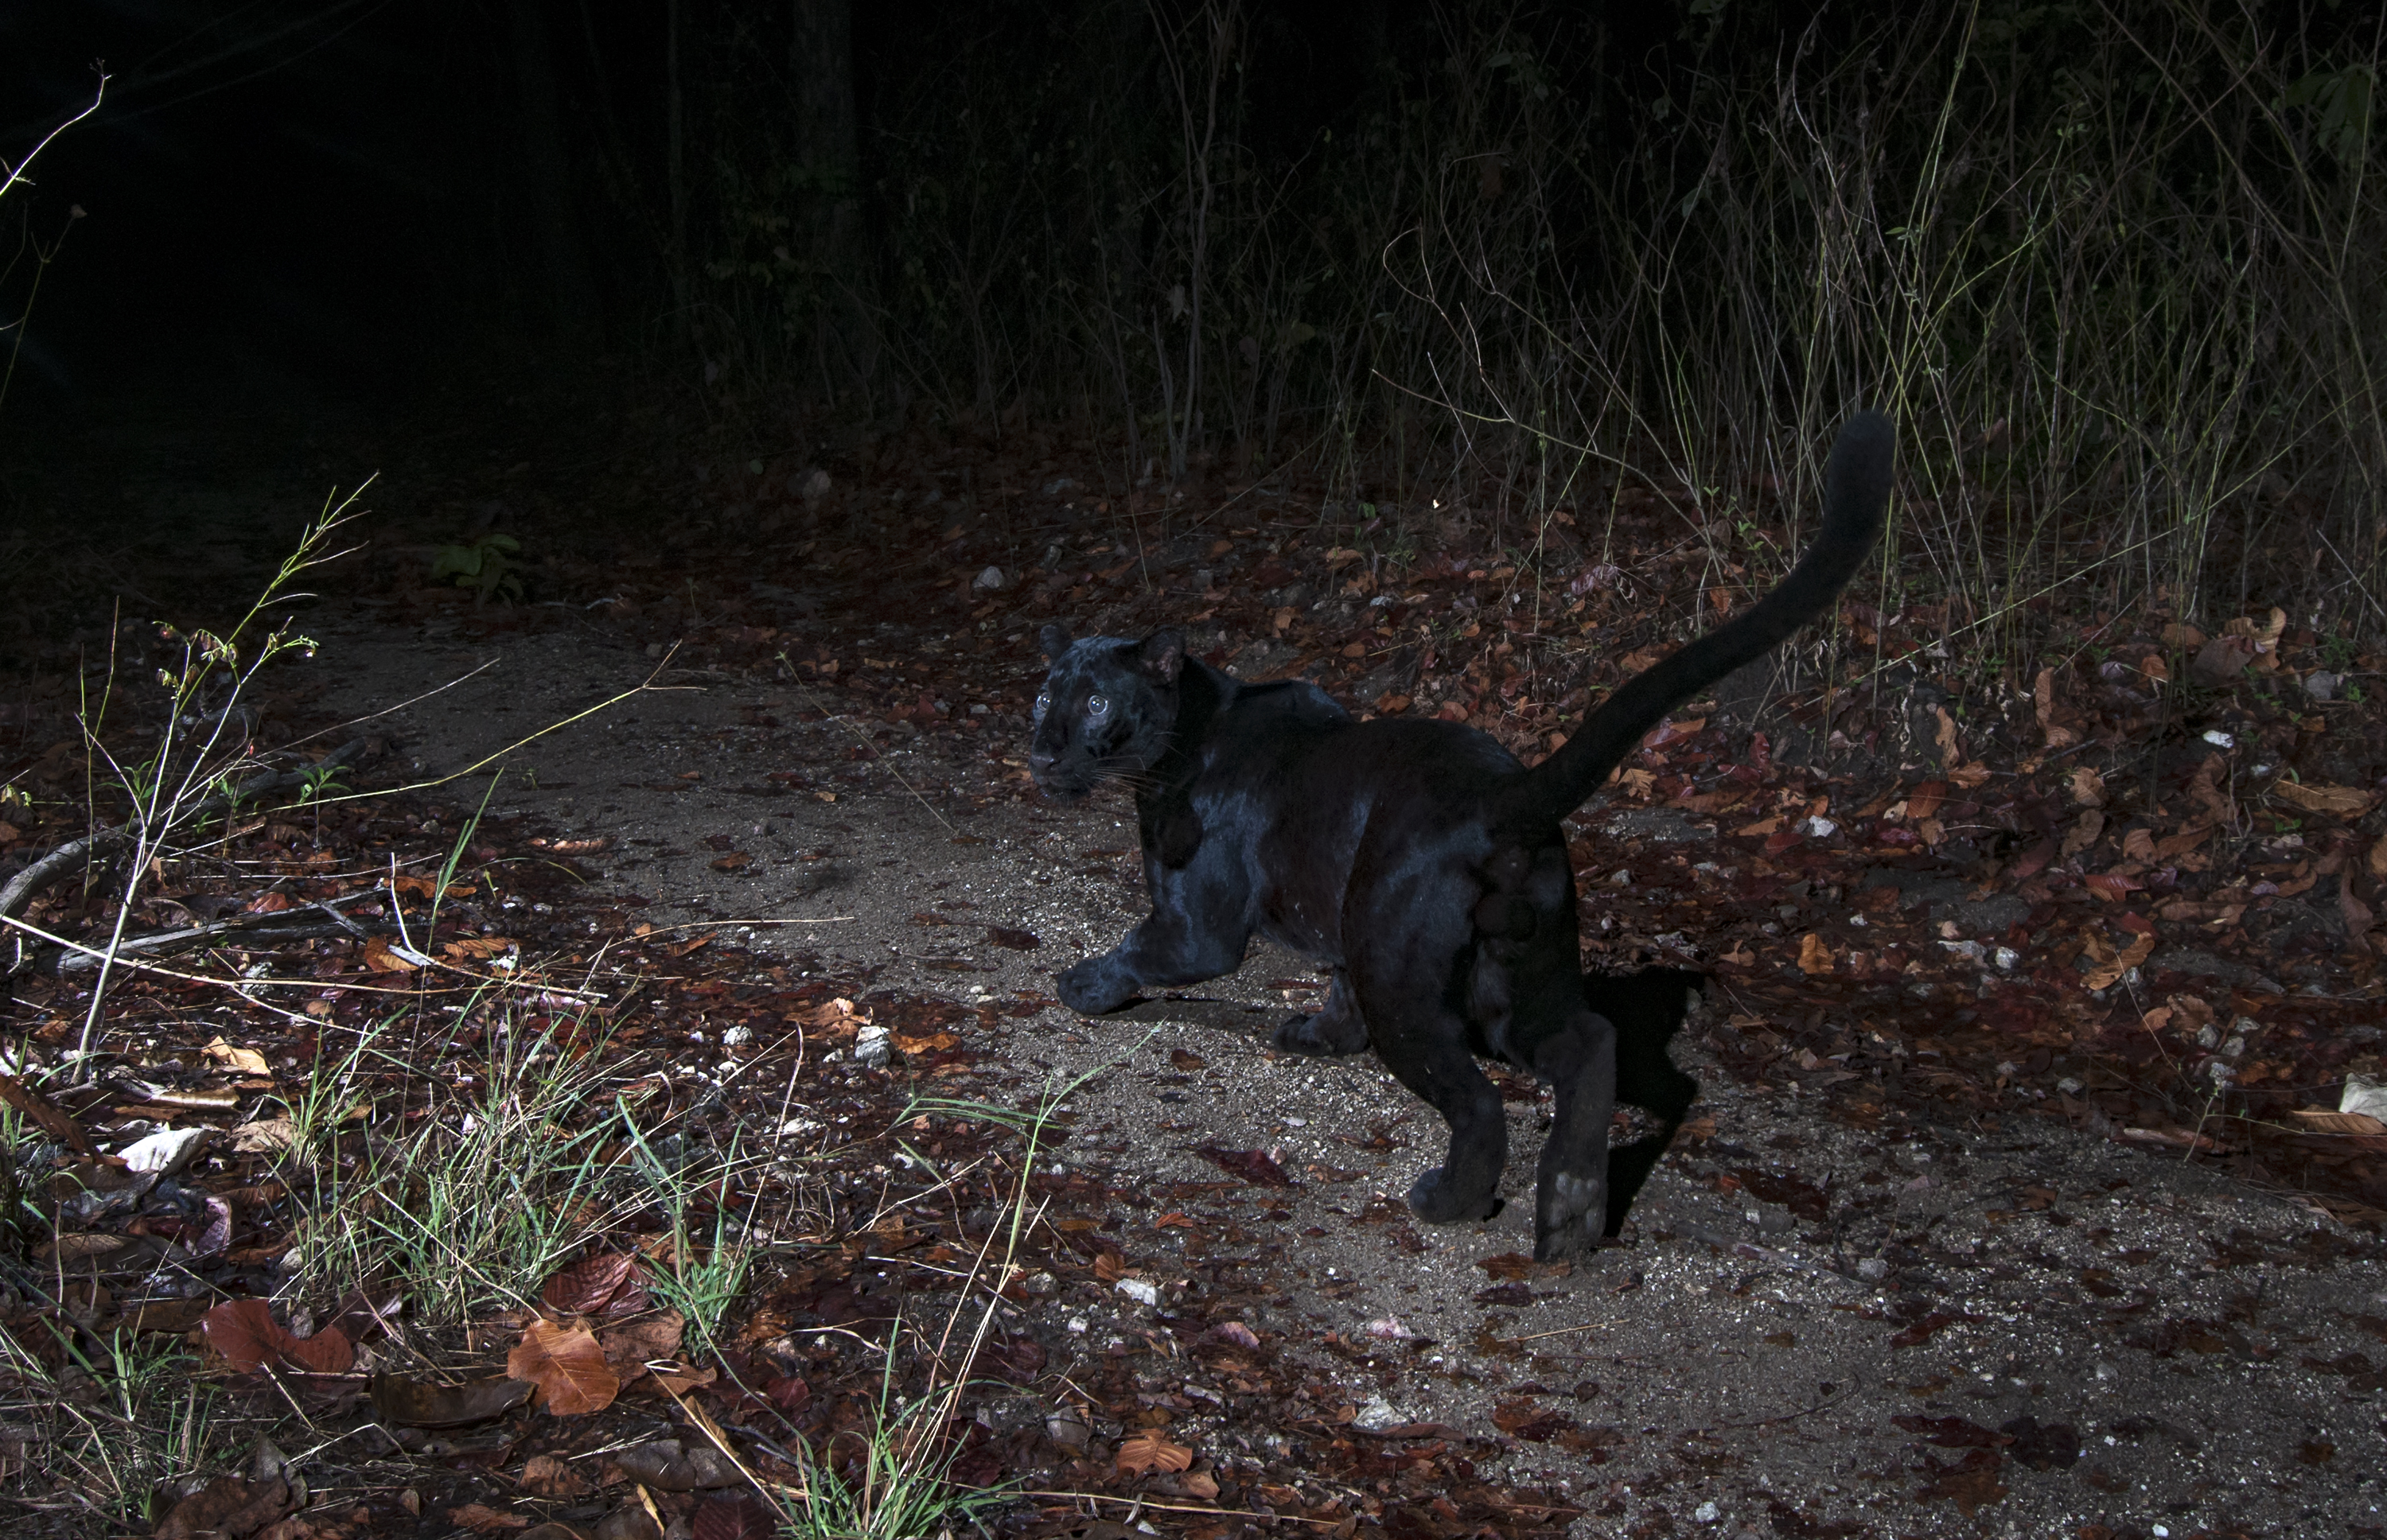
[{"x": 1573, "y": 1179}]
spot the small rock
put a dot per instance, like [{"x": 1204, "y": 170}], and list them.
[
  {"x": 1377, "y": 1414},
  {"x": 2366, "y": 1095},
  {"x": 870, "y": 1047},
  {"x": 2321, "y": 685},
  {"x": 1707, "y": 1513},
  {"x": 987, "y": 581},
  {"x": 1140, "y": 1289}
]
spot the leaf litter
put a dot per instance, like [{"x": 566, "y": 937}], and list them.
[{"x": 1928, "y": 950}]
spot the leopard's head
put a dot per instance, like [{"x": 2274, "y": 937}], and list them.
[{"x": 1106, "y": 712}]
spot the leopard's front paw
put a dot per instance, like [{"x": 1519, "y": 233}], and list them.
[
  {"x": 1436, "y": 1200},
  {"x": 1095, "y": 986}
]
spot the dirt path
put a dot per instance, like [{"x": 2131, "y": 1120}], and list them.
[{"x": 1822, "y": 1324}]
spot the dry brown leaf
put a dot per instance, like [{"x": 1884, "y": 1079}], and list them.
[
  {"x": 2043, "y": 700},
  {"x": 1969, "y": 775},
  {"x": 249, "y": 1061},
  {"x": 2356, "y": 913},
  {"x": 2322, "y": 1121},
  {"x": 545, "y": 1476},
  {"x": 2139, "y": 844},
  {"x": 628, "y": 1349},
  {"x": 567, "y": 1365},
  {"x": 46, "y": 1115},
  {"x": 2107, "y": 973},
  {"x": 2338, "y": 801},
  {"x": 378, "y": 958},
  {"x": 2087, "y": 786},
  {"x": 413, "y": 1402},
  {"x": 743, "y": 1517},
  {"x": 2204, "y": 789},
  {"x": 1149, "y": 1451},
  {"x": 1814, "y": 954},
  {"x": 244, "y": 1331},
  {"x": 227, "y": 1506},
  {"x": 839, "y": 1012},
  {"x": 588, "y": 1285},
  {"x": 480, "y": 1518},
  {"x": 2082, "y": 834},
  {"x": 1952, "y": 753}
]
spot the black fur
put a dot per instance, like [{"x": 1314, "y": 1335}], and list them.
[{"x": 1422, "y": 861}]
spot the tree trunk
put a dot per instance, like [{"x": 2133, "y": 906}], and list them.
[
  {"x": 820, "y": 64},
  {"x": 568, "y": 293}
]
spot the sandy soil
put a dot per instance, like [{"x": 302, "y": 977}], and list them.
[{"x": 1814, "y": 1329}]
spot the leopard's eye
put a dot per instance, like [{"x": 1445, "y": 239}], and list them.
[
  {"x": 1043, "y": 704},
  {"x": 1098, "y": 706}
]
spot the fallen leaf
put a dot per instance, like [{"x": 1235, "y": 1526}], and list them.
[
  {"x": 628, "y": 1349},
  {"x": 2221, "y": 661},
  {"x": 1814, "y": 954},
  {"x": 244, "y": 1331},
  {"x": 249, "y": 1061},
  {"x": 741, "y": 1518},
  {"x": 595, "y": 1284},
  {"x": 2087, "y": 786},
  {"x": 227, "y": 1506},
  {"x": 2356, "y": 913},
  {"x": 1953, "y": 1433},
  {"x": 378, "y": 958},
  {"x": 480, "y": 1518},
  {"x": 1017, "y": 941},
  {"x": 2338, "y": 801},
  {"x": 2043, "y": 699},
  {"x": 545, "y": 1476},
  {"x": 1970, "y": 1485},
  {"x": 567, "y": 1365},
  {"x": 1149, "y": 1451},
  {"x": 2082, "y": 834},
  {"x": 2113, "y": 887},
  {"x": 46, "y": 1115},
  {"x": 1952, "y": 753},
  {"x": 2105, "y": 975},
  {"x": 2322, "y": 1121},
  {"x": 1253, "y": 1165},
  {"x": 413, "y": 1402}
]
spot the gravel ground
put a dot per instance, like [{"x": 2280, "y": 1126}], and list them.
[{"x": 1813, "y": 1328}]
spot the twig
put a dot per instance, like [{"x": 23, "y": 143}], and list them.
[
  {"x": 49, "y": 868},
  {"x": 527, "y": 738},
  {"x": 1767, "y": 1254},
  {"x": 864, "y": 740},
  {"x": 1169, "y": 1508}
]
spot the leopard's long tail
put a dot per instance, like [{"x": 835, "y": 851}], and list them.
[{"x": 1856, "y": 493}]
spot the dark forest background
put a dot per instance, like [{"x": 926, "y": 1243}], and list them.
[{"x": 2115, "y": 268}]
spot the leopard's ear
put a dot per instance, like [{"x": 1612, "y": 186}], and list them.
[
  {"x": 1055, "y": 641},
  {"x": 1162, "y": 654}
]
